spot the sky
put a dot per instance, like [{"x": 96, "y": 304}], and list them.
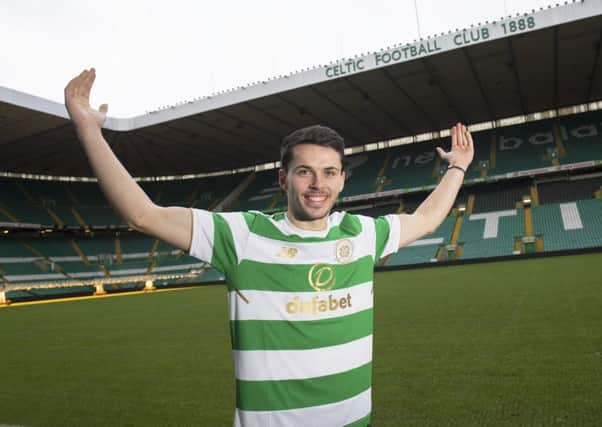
[{"x": 150, "y": 54}]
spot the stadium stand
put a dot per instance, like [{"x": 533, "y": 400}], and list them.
[
  {"x": 571, "y": 225},
  {"x": 464, "y": 235},
  {"x": 565, "y": 189},
  {"x": 73, "y": 233},
  {"x": 491, "y": 234},
  {"x": 426, "y": 249},
  {"x": 500, "y": 195}
]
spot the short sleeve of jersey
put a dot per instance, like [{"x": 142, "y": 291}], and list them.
[
  {"x": 387, "y": 230},
  {"x": 218, "y": 238}
]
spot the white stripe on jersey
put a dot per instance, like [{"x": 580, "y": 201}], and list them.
[{"x": 202, "y": 235}]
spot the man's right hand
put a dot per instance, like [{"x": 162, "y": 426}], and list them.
[
  {"x": 77, "y": 101},
  {"x": 170, "y": 224}
]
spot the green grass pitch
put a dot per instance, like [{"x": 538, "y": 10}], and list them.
[{"x": 500, "y": 344}]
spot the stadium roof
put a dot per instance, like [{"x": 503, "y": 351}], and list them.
[{"x": 518, "y": 65}]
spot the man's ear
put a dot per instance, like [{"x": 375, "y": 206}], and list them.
[
  {"x": 282, "y": 179},
  {"x": 344, "y": 176}
]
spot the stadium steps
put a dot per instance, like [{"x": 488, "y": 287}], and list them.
[
  {"x": 151, "y": 266},
  {"x": 558, "y": 141},
  {"x": 118, "y": 253},
  {"x": 436, "y": 173},
  {"x": 8, "y": 215},
  {"x": 71, "y": 196},
  {"x": 160, "y": 193},
  {"x": 401, "y": 208},
  {"x": 78, "y": 250},
  {"x": 234, "y": 195},
  {"x": 528, "y": 222},
  {"x": 470, "y": 203},
  {"x": 153, "y": 249},
  {"x": 492, "y": 152},
  {"x": 381, "y": 177},
  {"x": 457, "y": 228},
  {"x": 195, "y": 192},
  {"x": 482, "y": 168},
  {"x": 459, "y": 251},
  {"x": 57, "y": 219},
  {"x": 276, "y": 200},
  {"x": 105, "y": 271},
  {"x": 518, "y": 246},
  {"x": 33, "y": 250},
  {"x": 534, "y": 195},
  {"x": 78, "y": 217},
  {"x": 26, "y": 193},
  {"x": 441, "y": 253}
]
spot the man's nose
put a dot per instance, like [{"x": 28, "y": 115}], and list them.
[{"x": 315, "y": 180}]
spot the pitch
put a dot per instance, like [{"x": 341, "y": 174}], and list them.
[{"x": 504, "y": 344}]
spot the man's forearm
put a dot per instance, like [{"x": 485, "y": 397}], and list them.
[
  {"x": 437, "y": 205},
  {"x": 119, "y": 187}
]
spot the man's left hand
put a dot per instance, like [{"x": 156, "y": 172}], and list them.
[{"x": 462, "y": 148}]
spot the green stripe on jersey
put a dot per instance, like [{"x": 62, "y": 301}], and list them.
[
  {"x": 363, "y": 422},
  {"x": 382, "y": 228},
  {"x": 258, "y": 276},
  {"x": 291, "y": 394},
  {"x": 301, "y": 335}
]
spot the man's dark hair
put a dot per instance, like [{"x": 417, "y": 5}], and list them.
[{"x": 317, "y": 135}]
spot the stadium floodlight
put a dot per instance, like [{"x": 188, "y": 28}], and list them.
[
  {"x": 462, "y": 208},
  {"x": 527, "y": 201}
]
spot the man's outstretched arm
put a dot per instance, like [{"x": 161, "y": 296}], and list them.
[
  {"x": 172, "y": 224},
  {"x": 433, "y": 210}
]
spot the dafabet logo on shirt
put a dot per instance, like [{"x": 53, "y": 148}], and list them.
[{"x": 321, "y": 277}]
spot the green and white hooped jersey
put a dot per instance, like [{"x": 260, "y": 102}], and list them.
[{"x": 300, "y": 306}]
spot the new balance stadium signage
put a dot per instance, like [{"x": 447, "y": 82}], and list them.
[{"x": 492, "y": 178}]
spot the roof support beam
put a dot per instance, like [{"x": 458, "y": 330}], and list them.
[
  {"x": 303, "y": 111},
  {"x": 404, "y": 128},
  {"x": 592, "y": 76},
  {"x": 477, "y": 79},
  {"x": 519, "y": 89},
  {"x": 237, "y": 137},
  {"x": 556, "y": 81},
  {"x": 270, "y": 115},
  {"x": 246, "y": 123},
  {"x": 352, "y": 115},
  {"x": 190, "y": 146},
  {"x": 437, "y": 81},
  {"x": 139, "y": 155},
  {"x": 417, "y": 107}
]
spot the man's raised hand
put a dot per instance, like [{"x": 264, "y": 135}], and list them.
[
  {"x": 462, "y": 148},
  {"x": 77, "y": 101}
]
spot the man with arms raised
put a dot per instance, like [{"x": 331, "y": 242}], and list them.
[{"x": 299, "y": 282}]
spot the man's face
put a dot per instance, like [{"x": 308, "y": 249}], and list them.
[{"x": 313, "y": 182}]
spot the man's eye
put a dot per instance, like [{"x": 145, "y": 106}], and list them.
[{"x": 303, "y": 172}]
